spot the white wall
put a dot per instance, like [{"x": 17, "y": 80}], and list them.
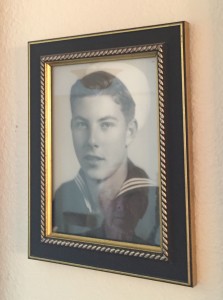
[{"x": 24, "y": 20}]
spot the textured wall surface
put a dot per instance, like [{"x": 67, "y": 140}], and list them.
[{"x": 21, "y": 21}]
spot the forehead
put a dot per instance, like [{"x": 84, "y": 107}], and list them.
[{"x": 100, "y": 106}]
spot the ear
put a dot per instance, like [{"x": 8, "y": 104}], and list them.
[{"x": 131, "y": 132}]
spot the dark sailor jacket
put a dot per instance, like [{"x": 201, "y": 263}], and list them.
[{"x": 74, "y": 211}]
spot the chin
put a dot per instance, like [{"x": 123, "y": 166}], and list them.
[{"x": 97, "y": 175}]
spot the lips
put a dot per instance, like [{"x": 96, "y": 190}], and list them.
[
  {"x": 93, "y": 158},
  {"x": 120, "y": 215}
]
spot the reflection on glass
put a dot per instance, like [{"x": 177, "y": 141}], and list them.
[{"x": 110, "y": 197}]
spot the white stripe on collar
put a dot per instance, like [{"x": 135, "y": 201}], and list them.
[
  {"x": 82, "y": 187},
  {"x": 135, "y": 183}
]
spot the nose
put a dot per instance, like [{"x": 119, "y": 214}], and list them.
[{"x": 93, "y": 137}]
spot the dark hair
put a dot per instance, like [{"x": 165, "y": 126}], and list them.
[{"x": 103, "y": 83}]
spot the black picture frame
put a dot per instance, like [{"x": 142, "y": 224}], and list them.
[{"x": 172, "y": 260}]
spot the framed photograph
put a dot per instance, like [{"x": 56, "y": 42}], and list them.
[{"x": 109, "y": 153}]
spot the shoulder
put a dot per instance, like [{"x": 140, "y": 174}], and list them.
[
  {"x": 66, "y": 186},
  {"x": 134, "y": 171},
  {"x": 96, "y": 233},
  {"x": 68, "y": 196}
]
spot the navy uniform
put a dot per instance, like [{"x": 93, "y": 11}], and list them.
[{"x": 75, "y": 212}]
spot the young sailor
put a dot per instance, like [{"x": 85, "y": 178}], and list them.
[{"x": 110, "y": 194}]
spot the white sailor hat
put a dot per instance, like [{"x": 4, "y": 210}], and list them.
[{"x": 138, "y": 75}]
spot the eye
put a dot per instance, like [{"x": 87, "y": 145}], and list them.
[
  {"x": 80, "y": 125},
  {"x": 107, "y": 125}
]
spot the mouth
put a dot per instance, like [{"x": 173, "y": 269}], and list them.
[
  {"x": 119, "y": 216},
  {"x": 93, "y": 158}
]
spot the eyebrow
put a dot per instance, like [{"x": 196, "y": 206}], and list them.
[
  {"x": 80, "y": 118},
  {"x": 106, "y": 118}
]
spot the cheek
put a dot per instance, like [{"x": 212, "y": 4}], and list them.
[
  {"x": 78, "y": 139},
  {"x": 78, "y": 142},
  {"x": 115, "y": 140}
]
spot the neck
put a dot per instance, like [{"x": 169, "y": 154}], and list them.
[
  {"x": 115, "y": 233},
  {"x": 106, "y": 190}
]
